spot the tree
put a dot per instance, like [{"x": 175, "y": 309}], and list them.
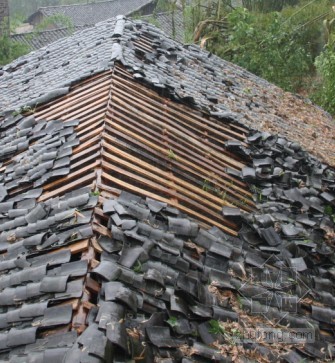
[
  {"x": 325, "y": 65},
  {"x": 280, "y": 46},
  {"x": 267, "y": 5},
  {"x": 10, "y": 50}
]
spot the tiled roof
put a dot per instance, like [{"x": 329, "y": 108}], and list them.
[
  {"x": 187, "y": 73},
  {"x": 36, "y": 40},
  {"x": 172, "y": 23},
  {"x": 162, "y": 285},
  {"x": 92, "y": 13},
  {"x": 107, "y": 197}
]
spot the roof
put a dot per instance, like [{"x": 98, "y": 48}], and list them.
[
  {"x": 172, "y": 23},
  {"x": 94, "y": 12},
  {"x": 186, "y": 72},
  {"x": 140, "y": 223},
  {"x": 36, "y": 40}
]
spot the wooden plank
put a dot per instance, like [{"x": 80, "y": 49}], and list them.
[
  {"x": 91, "y": 118},
  {"x": 83, "y": 161},
  {"x": 91, "y": 126},
  {"x": 190, "y": 140},
  {"x": 86, "y": 151},
  {"x": 149, "y": 185},
  {"x": 173, "y": 191},
  {"x": 208, "y": 222},
  {"x": 83, "y": 86},
  {"x": 75, "y": 247},
  {"x": 149, "y": 169},
  {"x": 102, "y": 230},
  {"x": 164, "y": 178},
  {"x": 84, "y": 181},
  {"x": 91, "y": 134},
  {"x": 71, "y": 176},
  {"x": 99, "y": 102},
  {"x": 187, "y": 118},
  {"x": 92, "y": 285},
  {"x": 180, "y": 109},
  {"x": 193, "y": 167},
  {"x": 84, "y": 145},
  {"x": 96, "y": 245},
  {"x": 186, "y": 173},
  {"x": 185, "y": 153},
  {"x": 74, "y": 302},
  {"x": 50, "y": 332},
  {"x": 181, "y": 154},
  {"x": 73, "y": 103}
]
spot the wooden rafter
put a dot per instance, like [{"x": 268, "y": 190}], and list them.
[{"x": 131, "y": 138}]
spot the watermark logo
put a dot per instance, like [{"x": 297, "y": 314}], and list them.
[
  {"x": 276, "y": 335},
  {"x": 270, "y": 293}
]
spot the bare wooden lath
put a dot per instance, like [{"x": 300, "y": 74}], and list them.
[{"x": 133, "y": 139}]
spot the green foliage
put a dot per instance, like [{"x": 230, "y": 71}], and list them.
[
  {"x": 230, "y": 333},
  {"x": 325, "y": 66},
  {"x": 24, "y": 110},
  {"x": 266, "y": 47},
  {"x": 164, "y": 5},
  {"x": 267, "y": 5},
  {"x": 10, "y": 50},
  {"x": 216, "y": 327},
  {"x": 152, "y": 20},
  {"x": 138, "y": 267},
  {"x": 173, "y": 321},
  {"x": 278, "y": 46},
  {"x": 58, "y": 19},
  {"x": 328, "y": 210},
  {"x": 171, "y": 155}
]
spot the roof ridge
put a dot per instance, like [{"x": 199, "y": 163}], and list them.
[{"x": 188, "y": 74}]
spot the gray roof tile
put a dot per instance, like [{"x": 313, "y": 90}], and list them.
[{"x": 94, "y": 12}]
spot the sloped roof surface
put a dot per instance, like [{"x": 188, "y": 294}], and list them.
[
  {"x": 92, "y": 273},
  {"x": 42, "y": 38},
  {"x": 92, "y": 13},
  {"x": 161, "y": 283},
  {"x": 188, "y": 73},
  {"x": 172, "y": 23}
]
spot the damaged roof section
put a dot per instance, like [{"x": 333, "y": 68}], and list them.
[
  {"x": 171, "y": 22},
  {"x": 41, "y": 281},
  {"x": 33, "y": 153},
  {"x": 191, "y": 294},
  {"x": 138, "y": 278},
  {"x": 187, "y": 74}
]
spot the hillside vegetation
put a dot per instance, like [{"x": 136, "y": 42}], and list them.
[{"x": 288, "y": 42}]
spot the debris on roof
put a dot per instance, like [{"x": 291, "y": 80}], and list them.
[
  {"x": 188, "y": 74},
  {"x": 107, "y": 250},
  {"x": 171, "y": 22}
]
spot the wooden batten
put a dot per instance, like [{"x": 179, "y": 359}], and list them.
[{"x": 149, "y": 145}]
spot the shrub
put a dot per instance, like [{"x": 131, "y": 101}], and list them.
[
  {"x": 325, "y": 65},
  {"x": 10, "y": 50}
]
